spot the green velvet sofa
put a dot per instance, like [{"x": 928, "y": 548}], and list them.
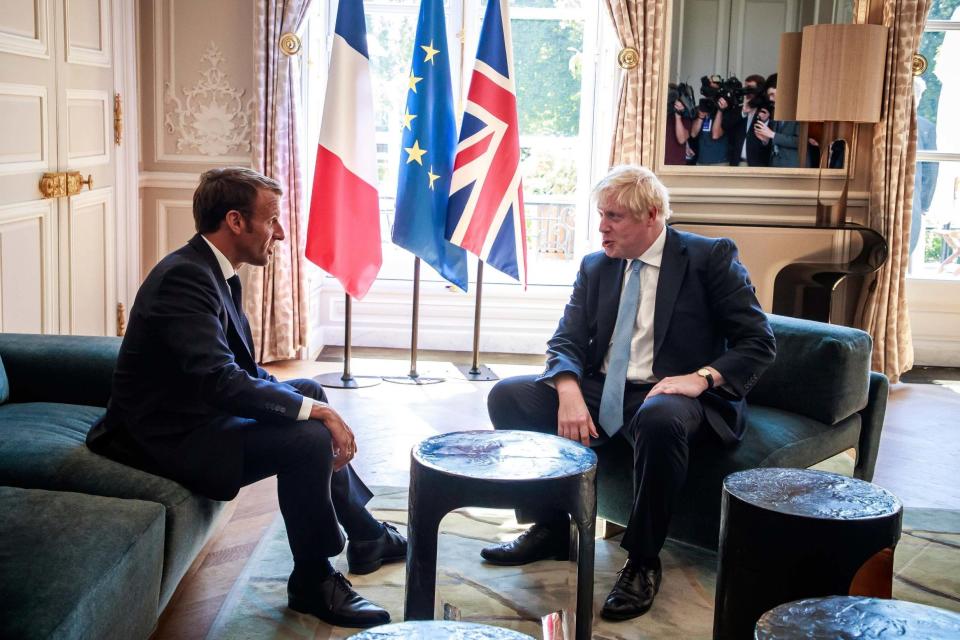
[
  {"x": 89, "y": 548},
  {"x": 819, "y": 398}
]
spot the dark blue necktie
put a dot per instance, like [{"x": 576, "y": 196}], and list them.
[
  {"x": 236, "y": 293},
  {"x": 611, "y": 402}
]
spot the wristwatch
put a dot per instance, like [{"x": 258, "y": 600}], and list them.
[{"x": 706, "y": 375}]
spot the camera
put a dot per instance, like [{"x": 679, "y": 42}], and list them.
[
  {"x": 683, "y": 93},
  {"x": 714, "y": 87}
]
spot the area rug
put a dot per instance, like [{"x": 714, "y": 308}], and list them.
[{"x": 927, "y": 570}]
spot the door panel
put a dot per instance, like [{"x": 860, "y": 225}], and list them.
[
  {"x": 88, "y": 229},
  {"x": 25, "y": 28},
  {"x": 88, "y": 128},
  {"x": 28, "y": 260}
]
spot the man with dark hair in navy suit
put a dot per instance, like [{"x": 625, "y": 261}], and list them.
[
  {"x": 189, "y": 402},
  {"x": 660, "y": 342}
]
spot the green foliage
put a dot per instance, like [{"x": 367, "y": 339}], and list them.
[
  {"x": 546, "y": 59},
  {"x": 549, "y": 169},
  {"x": 932, "y": 248}
]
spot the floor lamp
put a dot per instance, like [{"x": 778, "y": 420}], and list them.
[{"x": 836, "y": 74}]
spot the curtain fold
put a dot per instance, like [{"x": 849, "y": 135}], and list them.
[
  {"x": 275, "y": 296},
  {"x": 640, "y": 29},
  {"x": 883, "y": 310}
]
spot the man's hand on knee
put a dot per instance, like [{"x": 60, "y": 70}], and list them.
[
  {"x": 573, "y": 417},
  {"x": 344, "y": 443},
  {"x": 690, "y": 385}
]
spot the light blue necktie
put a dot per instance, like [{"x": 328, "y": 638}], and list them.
[{"x": 611, "y": 402}]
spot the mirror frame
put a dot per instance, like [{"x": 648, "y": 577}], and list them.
[{"x": 661, "y": 168}]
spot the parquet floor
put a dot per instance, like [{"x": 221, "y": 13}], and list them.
[{"x": 918, "y": 457}]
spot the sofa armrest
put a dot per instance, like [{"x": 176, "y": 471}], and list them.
[
  {"x": 54, "y": 368},
  {"x": 871, "y": 424}
]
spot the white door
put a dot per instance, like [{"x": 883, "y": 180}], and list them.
[{"x": 57, "y": 255}]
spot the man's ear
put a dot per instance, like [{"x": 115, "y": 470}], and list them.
[
  {"x": 234, "y": 220},
  {"x": 654, "y": 212}
]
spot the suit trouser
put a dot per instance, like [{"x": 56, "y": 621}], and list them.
[
  {"x": 660, "y": 430},
  {"x": 313, "y": 498}
]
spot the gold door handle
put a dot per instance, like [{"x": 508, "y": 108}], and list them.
[
  {"x": 64, "y": 183},
  {"x": 75, "y": 182},
  {"x": 53, "y": 185}
]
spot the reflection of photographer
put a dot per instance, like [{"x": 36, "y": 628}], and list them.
[
  {"x": 679, "y": 121},
  {"x": 783, "y": 134},
  {"x": 707, "y": 126},
  {"x": 746, "y": 148}
]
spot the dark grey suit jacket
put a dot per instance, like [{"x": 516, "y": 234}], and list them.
[
  {"x": 706, "y": 313},
  {"x": 186, "y": 378}
]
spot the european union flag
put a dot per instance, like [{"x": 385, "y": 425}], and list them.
[{"x": 429, "y": 145}]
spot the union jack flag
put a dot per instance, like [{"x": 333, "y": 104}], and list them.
[{"x": 485, "y": 212}]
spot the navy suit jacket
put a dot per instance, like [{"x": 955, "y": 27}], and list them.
[
  {"x": 706, "y": 313},
  {"x": 186, "y": 377}
]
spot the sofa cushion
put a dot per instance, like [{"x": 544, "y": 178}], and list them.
[
  {"x": 78, "y": 566},
  {"x": 821, "y": 371},
  {"x": 4, "y": 384},
  {"x": 42, "y": 446}
]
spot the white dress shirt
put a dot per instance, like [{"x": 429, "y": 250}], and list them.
[
  {"x": 229, "y": 272},
  {"x": 640, "y": 367}
]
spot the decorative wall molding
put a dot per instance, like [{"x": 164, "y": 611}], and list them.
[
  {"x": 212, "y": 118},
  {"x": 76, "y": 161},
  {"x": 100, "y": 57},
  {"x": 37, "y": 46},
  {"x": 162, "y": 237},
  {"x": 759, "y": 197},
  {"x": 20, "y": 164},
  {"x": 220, "y": 129},
  {"x": 169, "y": 180}
]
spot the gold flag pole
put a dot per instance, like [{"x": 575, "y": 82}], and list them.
[{"x": 476, "y": 371}]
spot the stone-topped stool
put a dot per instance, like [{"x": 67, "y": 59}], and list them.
[
  {"x": 439, "y": 630},
  {"x": 499, "y": 470},
  {"x": 788, "y": 534},
  {"x": 855, "y": 618}
]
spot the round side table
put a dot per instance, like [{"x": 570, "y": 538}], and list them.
[
  {"x": 787, "y": 534},
  {"x": 500, "y": 470},
  {"x": 855, "y": 618}
]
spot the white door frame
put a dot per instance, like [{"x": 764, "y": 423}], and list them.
[{"x": 125, "y": 75}]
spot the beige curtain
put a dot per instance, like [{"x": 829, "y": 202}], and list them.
[
  {"x": 884, "y": 310},
  {"x": 275, "y": 297},
  {"x": 639, "y": 25}
]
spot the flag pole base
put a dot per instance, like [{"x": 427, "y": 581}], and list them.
[
  {"x": 480, "y": 373},
  {"x": 341, "y": 381},
  {"x": 416, "y": 379}
]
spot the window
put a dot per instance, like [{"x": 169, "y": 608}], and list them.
[
  {"x": 555, "y": 62},
  {"x": 935, "y": 230}
]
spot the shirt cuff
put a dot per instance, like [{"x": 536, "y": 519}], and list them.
[{"x": 307, "y": 406}]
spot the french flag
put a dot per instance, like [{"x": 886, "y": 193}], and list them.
[{"x": 343, "y": 233}]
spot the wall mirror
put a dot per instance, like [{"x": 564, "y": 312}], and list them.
[{"x": 719, "y": 110}]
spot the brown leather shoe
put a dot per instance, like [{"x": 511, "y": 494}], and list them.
[
  {"x": 333, "y": 600},
  {"x": 539, "y": 542},
  {"x": 632, "y": 595}
]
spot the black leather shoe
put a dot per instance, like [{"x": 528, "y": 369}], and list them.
[
  {"x": 634, "y": 591},
  {"x": 366, "y": 556},
  {"x": 334, "y": 601},
  {"x": 539, "y": 542}
]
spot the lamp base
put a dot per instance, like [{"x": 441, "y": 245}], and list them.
[{"x": 831, "y": 215}]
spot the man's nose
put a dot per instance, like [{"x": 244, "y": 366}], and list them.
[{"x": 278, "y": 233}]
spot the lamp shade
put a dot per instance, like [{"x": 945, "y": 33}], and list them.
[
  {"x": 788, "y": 74},
  {"x": 841, "y": 73}
]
